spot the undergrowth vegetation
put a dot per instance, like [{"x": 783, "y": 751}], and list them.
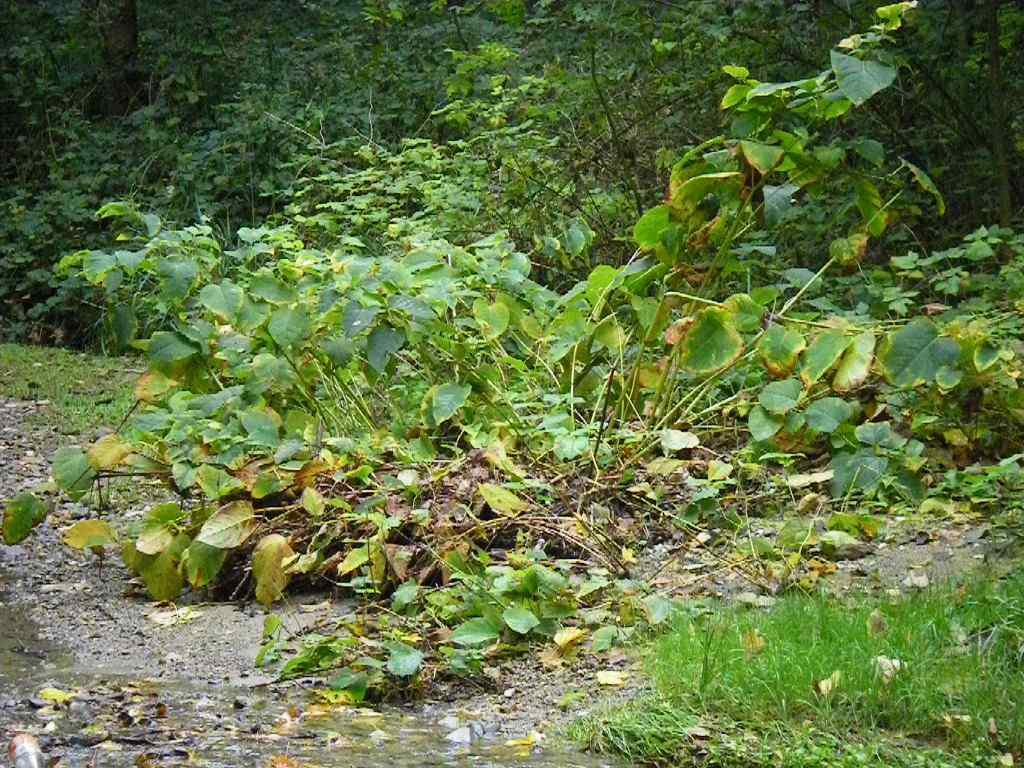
[
  {"x": 474, "y": 348},
  {"x": 934, "y": 665}
]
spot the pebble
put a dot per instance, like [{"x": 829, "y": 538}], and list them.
[{"x": 467, "y": 734}]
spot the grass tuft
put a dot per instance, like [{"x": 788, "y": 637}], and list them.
[
  {"x": 83, "y": 391},
  {"x": 932, "y": 664},
  {"x": 821, "y": 681}
]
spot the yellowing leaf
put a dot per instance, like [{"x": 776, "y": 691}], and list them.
[
  {"x": 753, "y": 642},
  {"x": 268, "y": 567},
  {"x": 569, "y": 637},
  {"x": 611, "y": 678},
  {"x": 356, "y": 558},
  {"x": 56, "y": 696},
  {"x": 108, "y": 452},
  {"x": 90, "y": 533},
  {"x": 829, "y": 684},
  {"x": 502, "y": 500}
]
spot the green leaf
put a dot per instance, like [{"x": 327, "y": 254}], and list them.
[
  {"x": 21, "y": 514},
  {"x": 520, "y": 619},
  {"x": 860, "y": 79},
  {"x": 381, "y": 345},
  {"x": 658, "y": 608},
  {"x": 448, "y": 399},
  {"x": 780, "y": 397},
  {"x": 357, "y": 318},
  {"x": 356, "y": 558},
  {"x": 914, "y": 354},
  {"x": 604, "y": 639},
  {"x": 90, "y": 533},
  {"x": 762, "y": 425},
  {"x": 406, "y": 594},
  {"x": 764, "y": 157},
  {"x": 870, "y": 205},
  {"x": 502, "y": 500},
  {"x": 879, "y": 433},
  {"x": 229, "y": 526},
  {"x": 476, "y": 632},
  {"x": 158, "y": 529},
  {"x": 167, "y": 347},
  {"x": 268, "y": 567},
  {"x": 224, "y": 299},
  {"x": 824, "y": 351},
  {"x": 403, "y": 660},
  {"x": 72, "y": 471},
  {"x": 711, "y": 342},
  {"x": 601, "y": 281},
  {"x": 216, "y": 483},
  {"x": 492, "y": 318},
  {"x": 780, "y": 347},
  {"x": 827, "y": 414},
  {"x": 269, "y": 288},
  {"x": 855, "y": 366},
  {"x": 162, "y": 573},
  {"x": 288, "y": 326},
  {"x": 571, "y": 445},
  {"x": 860, "y": 471},
  {"x": 746, "y": 313},
  {"x": 925, "y": 182},
  {"x": 648, "y": 229},
  {"x": 262, "y": 427},
  {"x": 355, "y": 684},
  {"x": 778, "y": 200},
  {"x": 202, "y": 563}
]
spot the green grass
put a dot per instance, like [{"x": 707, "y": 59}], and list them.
[
  {"x": 83, "y": 391},
  {"x": 962, "y": 665}
]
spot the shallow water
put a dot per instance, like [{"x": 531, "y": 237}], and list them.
[{"x": 119, "y": 722}]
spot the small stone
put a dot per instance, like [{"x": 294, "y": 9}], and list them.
[
  {"x": 508, "y": 693},
  {"x": 449, "y": 722},
  {"x": 78, "y": 710},
  {"x": 463, "y": 735}
]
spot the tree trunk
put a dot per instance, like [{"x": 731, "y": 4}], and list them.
[
  {"x": 117, "y": 26},
  {"x": 997, "y": 95}
]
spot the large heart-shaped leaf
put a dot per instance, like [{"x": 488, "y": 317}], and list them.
[
  {"x": 780, "y": 397},
  {"x": 90, "y": 533},
  {"x": 381, "y": 345},
  {"x": 167, "y": 347},
  {"x": 492, "y": 318},
  {"x": 288, "y": 326},
  {"x": 72, "y": 471},
  {"x": 822, "y": 354},
  {"x": 860, "y": 79},
  {"x": 860, "y": 471},
  {"x": 403, "y": 660},
  {"x": 21, "y": 514},
  {"x": 229, "y": 526},
  {"x": 447, "y": 400},
  {"x": 914, "y": 354},
  {"x": 711, "y": 342},
  {"x": 780, "y": 347},
  {"x": 476, "y": 632},
  {"x": 520, "y": 620},
  {"x": 855, "y": 366}
]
